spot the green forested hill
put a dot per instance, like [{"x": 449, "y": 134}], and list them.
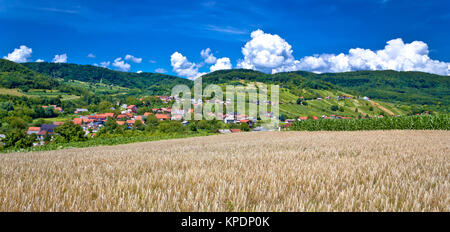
[
  {"x": 400, "y": 87},
  {"x": 155, "y": 83},
  {"x": 407, "y": 87},
  {"x": 14, "y": 75},
  {"x": 291, "y": 80},
  {"x": 392, "y": 92}
]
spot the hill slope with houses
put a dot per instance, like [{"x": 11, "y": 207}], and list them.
[{"x": 41, "y": 98}]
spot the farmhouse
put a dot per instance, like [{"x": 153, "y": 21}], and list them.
[
  {"x": 132, "y": 109},
  {"x": 80, "y": 110},
  {"x": 162, "y": 116},
  {"x": 33, "y": 130}
]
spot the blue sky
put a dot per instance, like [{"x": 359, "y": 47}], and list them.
[{"x": 311, "y": 34}]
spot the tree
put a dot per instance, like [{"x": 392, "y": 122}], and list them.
[
  {"x": 49, "y": 112},
  {"x": 152, "y": 102},
  {"x": 17, "y": 123},
  {"x": 133, "y": 101},
  {"x": 152, "y": 122},
  {"x": 71, "y": 132},
  {"x": 47, "y": 138},
  {"x": 111, "y": 127},
  {"x": 17, "y": 138},
  {"x": 8, "y": 106},
  {"x": 334, "y": 108},
  {"x": 282, "y": 117},
  {"x": 104, "y": 106},
  {"x": 139, "y": 125},
  {"x": 171, "y": 127},
  {"x": 244, "y": 127}
]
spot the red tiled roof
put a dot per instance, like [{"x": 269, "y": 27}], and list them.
[
  {"x": 302, "y": 118},
  {"x": 147, "y": 114},
  {"x": 131, "y": 106},
  {"x": 245, "y": 120},
  {"x": 77, "y": 120},
  {"x": 58, "y": 123},
  {"x": 131, "y": 121},
  {"x": 120, "y": 122},
  {"x": 42, "y": 132},
  {"x": 162, "y": 116},
  {"x": 97, "y": 116},
  {"x": 32, "y": 128},
  {"x": 122, "y": 116},
  {"x": 109, "y": 114},
  {"x": 235, "y": 130}
]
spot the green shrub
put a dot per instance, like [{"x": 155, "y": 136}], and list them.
[{"x": 18, "y": 139}]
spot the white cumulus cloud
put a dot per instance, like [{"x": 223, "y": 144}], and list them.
[
  {"x": 60, "y": 58},
  {"x": 267, "y": 53},
  {"x": 20, "y": 54},
  {"x": 103, "y": 64},
  {"x": 208, "y": 56},
  {"x": 140, "y": 71},
  {"x": 221, "y": 63},
  {"x": 39, "y": 60},
  {"x": 160, "y": 70},
  {"x": 396, "y": 55},
  {"x": 271, "y": 53},
  {"x": 121, "y": 65},
  {"x": 183, "y": 67},
  {"x": 133, "y": 59},
  {"x": 90, "y": 55}
]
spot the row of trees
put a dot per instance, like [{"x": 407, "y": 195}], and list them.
[{"x": 18, "y": 138}]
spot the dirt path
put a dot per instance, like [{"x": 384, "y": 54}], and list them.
[{"x": 382, "y": 108}]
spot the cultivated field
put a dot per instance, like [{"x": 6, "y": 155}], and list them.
[{"x": 265, "y": 171}]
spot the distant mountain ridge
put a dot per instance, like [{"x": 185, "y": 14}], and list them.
[
  {"x": 391, "y": 86},
  {"x": 14, "y": 75},
  {"x": 152, "y": 82},
  {"x": 406, "y": 87}
]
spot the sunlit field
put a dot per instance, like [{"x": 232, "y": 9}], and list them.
[{"x": 264, "y": 171}]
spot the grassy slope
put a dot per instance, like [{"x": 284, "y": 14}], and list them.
[{"x": 315, "y": 107}]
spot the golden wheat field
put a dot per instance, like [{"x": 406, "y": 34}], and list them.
[{"x": 265, "y": 171}]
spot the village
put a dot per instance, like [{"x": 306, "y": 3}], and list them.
[{"x": 128, "y": 116}]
